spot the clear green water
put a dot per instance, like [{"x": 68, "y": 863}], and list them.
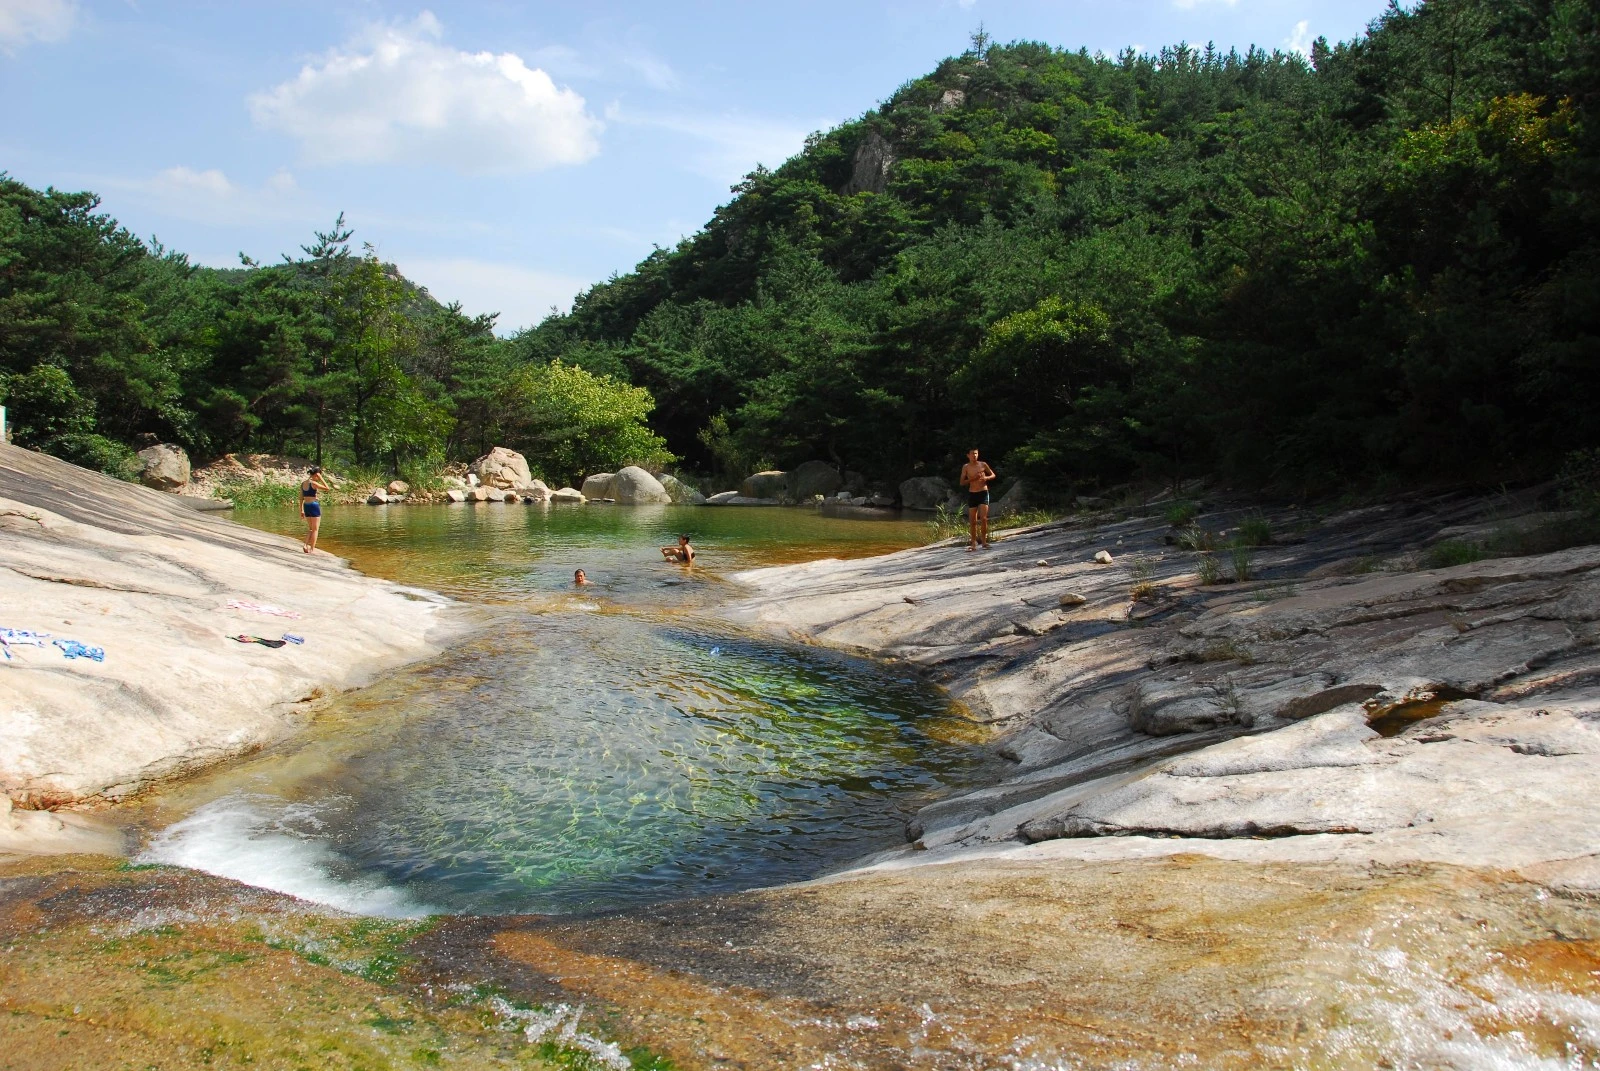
[{"x": 589, "y": 749}]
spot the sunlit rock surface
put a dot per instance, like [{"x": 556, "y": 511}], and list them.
[
  {"x": 1392, "y": 713},
  {"x": 146, "y": 580}
]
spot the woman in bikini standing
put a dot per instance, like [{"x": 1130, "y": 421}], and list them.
[{"x": 310, "y": 508}]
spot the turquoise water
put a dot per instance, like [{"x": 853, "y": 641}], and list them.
[{"x": 590, "y": 749}]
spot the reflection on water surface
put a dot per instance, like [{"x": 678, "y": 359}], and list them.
[{"x": 590, "y": 749}]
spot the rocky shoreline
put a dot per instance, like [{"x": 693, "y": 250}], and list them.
[
  {"x": 1335, "y": 815},
  {"x": 153, "y": 593},
  {"x": 1341, "y": 704}
]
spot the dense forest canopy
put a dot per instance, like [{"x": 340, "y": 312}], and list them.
[{"x": 1379, "y": 262}]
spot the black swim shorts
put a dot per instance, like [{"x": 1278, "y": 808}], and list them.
[
  {"x": 312, "y": 509},
  {"x": 977, "y": 498}
]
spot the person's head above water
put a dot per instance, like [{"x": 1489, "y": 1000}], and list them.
[
  {"x": 972, "y": 455},
  {"x": 683, "y": 541},
  {"x": 580, "y": 577}
]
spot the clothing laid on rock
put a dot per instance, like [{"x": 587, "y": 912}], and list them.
[
  {"x": 20, "y": 637},
  {"x": 262, "y": 640},
  {"x": 73, "y": 649}
]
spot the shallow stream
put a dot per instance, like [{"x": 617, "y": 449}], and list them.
[{"x": 588, "y": 748}]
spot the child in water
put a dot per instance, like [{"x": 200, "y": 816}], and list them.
[{"x": 683, "y": 552}]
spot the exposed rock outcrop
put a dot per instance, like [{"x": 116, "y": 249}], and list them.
[
  {"x": 813, "y": 478},
  {"x": 501, "y": 467},
  {"x": 633, "y": 486},
  {"x": 924, "y": 492},
  {"x": 870, "y": 165},
  {"x": 148, "y": 582},
  {"x": 680, "y": 492},
  {"x": 164, "y": 467},
  {"x": 772, "y": 484},
  {"x": 1450, "y": 715},
  {"x": 599, "y": 486}
]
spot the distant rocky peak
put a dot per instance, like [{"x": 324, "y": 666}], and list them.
[{"x": 869, "y": 167}]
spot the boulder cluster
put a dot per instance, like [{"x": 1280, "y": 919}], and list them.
[{"x": 503, "y": 475}]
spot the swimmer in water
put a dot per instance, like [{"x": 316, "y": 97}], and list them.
[
  {"x": 683, "y": 552},
  {"x": 579, "y": 578}
]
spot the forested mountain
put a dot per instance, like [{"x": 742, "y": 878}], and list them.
[
  {"x": 1380, "y": 262},
  {"x": 106, "y": 342},
  {"x": 1383, "y": 261}
]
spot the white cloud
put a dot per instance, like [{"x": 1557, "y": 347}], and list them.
[
  {"x": 654, "y": 71},
  {"x": 22, "y": 21},
  {"x": 184, "y": 180},
  {"x": 727, "y": 147},
  {"x": 1300, "y": 40},
  {"x": 210, "y": 196},
  {"x": 397, "y": 95},
  {"x": 522, "y": 296}
]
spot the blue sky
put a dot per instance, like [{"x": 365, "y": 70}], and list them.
[{"x": 505, "y": 155}]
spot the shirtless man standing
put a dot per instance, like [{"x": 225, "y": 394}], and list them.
[{"x": 975, "y": 479}]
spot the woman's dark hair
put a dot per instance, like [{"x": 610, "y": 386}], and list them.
[{"x": 314, "y": 470}]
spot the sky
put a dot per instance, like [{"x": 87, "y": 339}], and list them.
[{"x": 505, "y": 155}]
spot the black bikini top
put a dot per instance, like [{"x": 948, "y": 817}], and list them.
[{"x": 308, "y": 490}]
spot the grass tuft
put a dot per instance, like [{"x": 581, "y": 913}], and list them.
[
  {"x": 1255, "y": 531},
  {"x": 1182, "y": 514}
]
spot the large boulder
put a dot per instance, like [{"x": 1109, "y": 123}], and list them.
[
  {"x": 501, "y": 468},
  {"x": 399, "y": 487},
  {"x": 924, "y": 492},
  {"x": 681, "y": 493},
  {"x": 1015, "y": 500},
  {"x": 634, "y": 486},
  {"x": 814, "y": 478},
  {"x": 600, "y": 485},
  {"x": 455, "y": 494},
  {"x": 534, "y": 491},
  {"x": 566, "y": 494},
  {"x": 164, "y": 466},
  {"x": 768, "y": 484}
]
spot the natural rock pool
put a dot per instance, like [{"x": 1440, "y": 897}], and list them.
[{"x": 583, "y": 749}]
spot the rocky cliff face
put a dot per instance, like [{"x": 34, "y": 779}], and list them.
[{"x": 869, "y": 167}]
